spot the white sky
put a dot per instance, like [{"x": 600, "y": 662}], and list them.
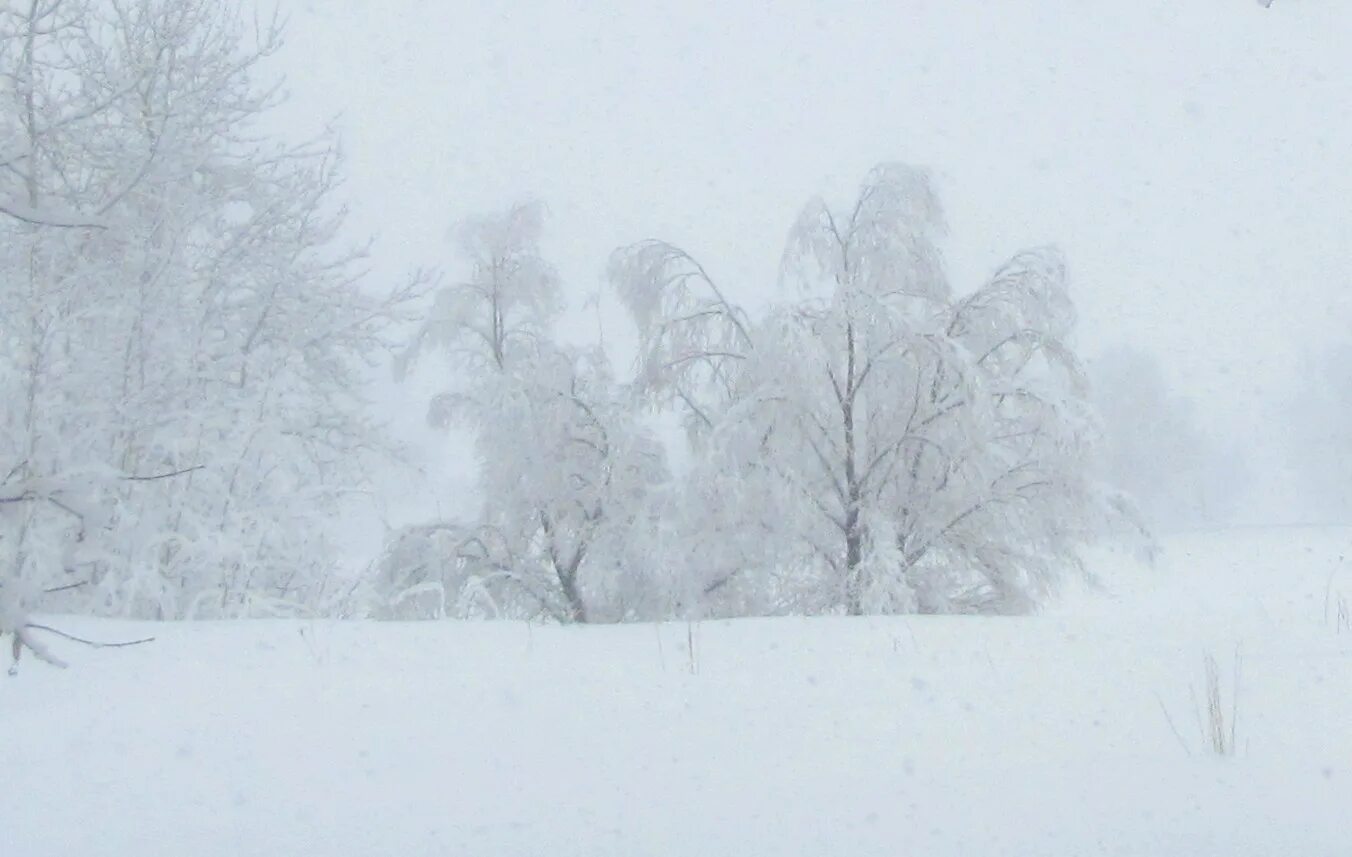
[{"x": 1194, "y": 159}]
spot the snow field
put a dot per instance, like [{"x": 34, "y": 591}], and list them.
[{"x": 925, "y": 735}]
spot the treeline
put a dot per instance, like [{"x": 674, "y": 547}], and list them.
[{"x": 184, "y": 347}]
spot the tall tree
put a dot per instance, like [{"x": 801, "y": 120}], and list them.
[
  {"x": 567, "y": 471},
  {"x": 889, "y": 445},
  {"x": 172, "y": 298}
]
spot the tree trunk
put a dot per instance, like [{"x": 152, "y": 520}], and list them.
[
  {"x": 854, "y": 547},
  {"x": 577, "y": 608},
  {"x": 566, "y": 572},
  {"x": 854, "y": 556}
]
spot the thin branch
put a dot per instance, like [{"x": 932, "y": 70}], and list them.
[
  {"x": 91, "y": 643},
  {"x": 53, "y": 219},
  {"x": 702, "y": 355},
  {"x": 169, "y": 475}
]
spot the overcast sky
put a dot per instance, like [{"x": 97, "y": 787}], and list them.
[{"x": 1194, "y": 159}]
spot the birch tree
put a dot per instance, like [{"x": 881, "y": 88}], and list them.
[
  {"x": 890, "y": 445},
  {"x": 567, "y": 471}
]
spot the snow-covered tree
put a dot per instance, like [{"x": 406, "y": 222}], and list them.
[
  {"x": 875, "y": 442},
  {"x": 171, "y": 297},
  {"x": 567, "y": 471},
  {"x": 1154, "y": 449}
]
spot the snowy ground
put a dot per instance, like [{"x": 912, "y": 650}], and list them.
[{"x": 927, "y": 736}]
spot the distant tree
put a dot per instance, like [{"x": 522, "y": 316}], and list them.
[
  {"x": 1318, "y": 448},
  {"x": 567, "y": 471},
  {"x": 1155, "y": 451},
  {"x": 502, "y": 313},
  {"x": 875, "y": 442},
  {"x": 171, "y": 297}
]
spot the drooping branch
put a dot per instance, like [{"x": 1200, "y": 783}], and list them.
[
  {"x": 171, "y": 474},
  {"x": 49, "y": 217},
  {"x": 95, "y": 644}
]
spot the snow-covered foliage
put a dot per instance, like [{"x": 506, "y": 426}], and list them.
[
  {"x": 875, "y": 442},
  {"x": 567, "y": 471},
  {"x": 182, "y": 347},
  {"x": 170, "y": 299}
]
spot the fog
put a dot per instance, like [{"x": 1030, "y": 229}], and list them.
[
  {"x": 1192, "y": 160},
  {"x": 932, "y": 413}
]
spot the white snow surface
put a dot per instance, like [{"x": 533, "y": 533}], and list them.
[{"x": 1042, "y": 735}]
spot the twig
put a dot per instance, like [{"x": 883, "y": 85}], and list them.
[
  {"x": 37, "y": 218},
  {"x": 169, "y": 475},
  {"x": 1172, "y": 728},
  {"x": 65, "y": 588},
  {"x": 91, "y": 643}
]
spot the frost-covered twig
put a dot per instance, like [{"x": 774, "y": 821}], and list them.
[
  {"x": 53, "y": 218},
  {"x": 157, "y": 476},
  {"x": 25, "y": 640},
  {"x": 91, "y": 643}
]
